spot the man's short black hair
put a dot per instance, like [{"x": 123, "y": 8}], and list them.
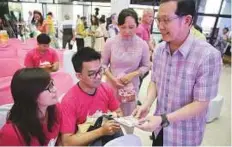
[
  {"x": 43, "y": 39},
  {"x": 85, "y": 54},
  {"x": 184, "y": 7},
  {"x": 50, "y": 13},
  {"x": 227, "y": 29}
]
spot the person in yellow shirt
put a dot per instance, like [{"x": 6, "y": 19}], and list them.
[
  {"x": 197, "y": 33},
  {"x": 51, "y": 30},
  {"x": 81, "y": 33}
]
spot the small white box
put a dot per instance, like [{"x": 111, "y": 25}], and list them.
[{"x": 214, "y": 108}]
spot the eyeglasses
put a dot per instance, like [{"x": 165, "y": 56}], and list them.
[
  {"x": 166, "y": 20},
  {"x": 50, "y": 87},
  {"x": 99, "y": 72}
]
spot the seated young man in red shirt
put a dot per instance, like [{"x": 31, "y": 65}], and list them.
[
  {"x": 85, "y": 98},
  {"x": 42, "y": 56}
]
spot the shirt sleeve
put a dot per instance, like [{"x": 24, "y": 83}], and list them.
[
  {"x": 112, "y": 32},
  {"x": 28, "y": 62},
  {"x": 55, "y": 57},
  {"x": 106, "y": 54},
  {"x": 68, "y": 115},
  {"x": 206, "y": 85},
  {"x": 145, "y": 61},
  {"x": 8, "y": 136}
]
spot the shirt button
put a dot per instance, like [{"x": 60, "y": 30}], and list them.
[
  {"x": 166, "y": 95},
  {"x": 165, "y": 108},
  {"x": 168, "y": 80},
  {"x": 170, "y": 64}
]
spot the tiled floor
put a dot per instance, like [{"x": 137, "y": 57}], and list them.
[{"x": 218, "y": 132}]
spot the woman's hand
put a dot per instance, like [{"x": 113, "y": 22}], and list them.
[
  {"x": 127, "y": 78},
  {"x": 117, "y": 83}
]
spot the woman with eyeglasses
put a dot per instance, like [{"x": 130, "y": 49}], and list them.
[
  {"x": 34, "y": 119},
  {"x": 127, "y": 57}
]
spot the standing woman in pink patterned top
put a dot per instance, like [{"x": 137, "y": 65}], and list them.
[{"x": 126, "y": 57}]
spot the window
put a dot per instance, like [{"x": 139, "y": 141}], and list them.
[
  {"x": 209, "y": 6},
  {"x": 207, "y": 24},
  {"x": 26, "y": 7},
  {"x": 54, "y": 9},
  {"x": 226, "y": 7},
  {"x": 77, "y": 10},
  {"x": 222, "y": 23},
  {"x": 104, "y": 8}
]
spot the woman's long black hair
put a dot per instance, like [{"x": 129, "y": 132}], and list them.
[
  {"x": 41, "y": 18},
  {"x": 26, "y": 86}
]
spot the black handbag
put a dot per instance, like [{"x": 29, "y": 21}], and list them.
[{"x": 104, "y": 139}]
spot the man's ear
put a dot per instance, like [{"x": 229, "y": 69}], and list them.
[
  {"x": 78, "y": 75},
  {"x": 188, "y": 20}
]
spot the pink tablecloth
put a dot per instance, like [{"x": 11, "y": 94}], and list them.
[
  {"x": 5, "y": 92},
  {"x": 8, "y": 51}
]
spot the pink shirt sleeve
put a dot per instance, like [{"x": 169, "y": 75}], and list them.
[
  {"x": 68, "y": 112},
  {"x": 55, "y": 56},
  {"x": 28, "y": 62}
]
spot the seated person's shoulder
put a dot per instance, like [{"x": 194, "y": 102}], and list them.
[
  {"x": 7, "y": 127},
  {"x": 31, "y": 52},
  {"x": 72, "y": 96},
  {"x": 53, "y": 51},
  {"x": 8, "y": 131},
  {"x": 105, "y": 86}
]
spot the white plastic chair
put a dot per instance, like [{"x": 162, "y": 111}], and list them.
[
  {"x": 4, "y": 109},
  {"x": 127, "y": 140}
]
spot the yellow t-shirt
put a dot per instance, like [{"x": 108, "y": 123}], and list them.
[
  {"x": 80, "y": 30},
  {"x": 49, "y": 22},
  {"x": 197, "y": 34}
]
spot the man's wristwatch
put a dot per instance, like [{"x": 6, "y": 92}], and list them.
[{"x": 165, "y": 121}]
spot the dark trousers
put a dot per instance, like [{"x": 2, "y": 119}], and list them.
[
  {"x": 67, "y": 39},
  {"x": 158, "y": 140},
  {"x": 80, "y": 43}
]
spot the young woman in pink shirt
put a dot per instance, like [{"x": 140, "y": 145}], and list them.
[{"x": 34, "y": 119}]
